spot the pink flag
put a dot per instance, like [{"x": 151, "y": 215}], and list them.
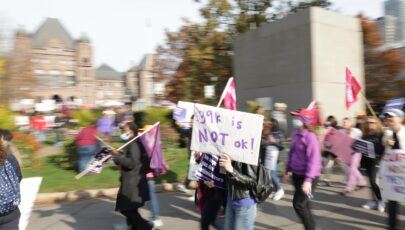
[
  {"x": 315, "y": 118},
  {"x": 353, "y": 88},
  {"x": 229, "y": 95},
  {"x": 153, "y": 147}
]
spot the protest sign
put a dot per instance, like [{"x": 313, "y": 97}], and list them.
[
  {"x": 392, "y": 175},
  {"x": 339, "y": 144},
  {"x": 218, "y": 131},
  {"x": 395, "y": 104},
  {"x": 193, "y": 167},
  {"x": 366, "y": 148},
  {"x": 29, "y": 188},
  {"x": 183, "y": 111},
  {"x": 209, "y": 170},
  {"x": 272, "y": 156}
]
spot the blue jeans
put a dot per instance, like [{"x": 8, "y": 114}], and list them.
[
  {"x": 85, "y": 154},
  {"x": 240, "y": 217},
  {"x": 276, "y": 179},
  {"x": 154, "y": 204}
]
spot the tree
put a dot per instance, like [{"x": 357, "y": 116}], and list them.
[
  {"x": 382, "y": 66},
  {"x": 200, "y": 54}
]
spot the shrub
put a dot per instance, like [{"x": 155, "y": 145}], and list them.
[
  {"x": 7, "y": 118},
  {"x": 86, "y": 117}
]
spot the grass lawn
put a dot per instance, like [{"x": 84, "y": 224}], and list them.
[{"x": 57, "y": 177}]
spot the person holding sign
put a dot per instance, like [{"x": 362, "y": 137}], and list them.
[
  {"x": 304, "y": 162},
  {"x": 354, "y": 176},
  {"x": 373, "y": 132},
  {"x": 395, "y": 118},
  {"x": 133, "y": 191},
  {"x": 240, "y": 211}
]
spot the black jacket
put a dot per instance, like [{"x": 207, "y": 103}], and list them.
[
  {"x": 242, "y": 181},
  {"x": 133, "y": 191}
]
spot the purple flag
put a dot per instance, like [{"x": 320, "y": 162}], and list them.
[{"x": 153, "y": 147}]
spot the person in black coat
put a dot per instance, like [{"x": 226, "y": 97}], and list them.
[{"x": 133, "y": 191}]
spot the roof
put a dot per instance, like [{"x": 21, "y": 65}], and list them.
[
  {"x": 52, "y": 28},
  {"x": 146, "y": 60},
  {"x": 106, "y": 72}
]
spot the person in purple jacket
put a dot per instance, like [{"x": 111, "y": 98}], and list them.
[{"x": 304, "y": 163}]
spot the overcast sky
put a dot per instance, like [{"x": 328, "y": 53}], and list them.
[{"x": 118, "y": 29}]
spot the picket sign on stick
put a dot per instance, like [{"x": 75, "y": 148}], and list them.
[
  {"x": 368, "y": 105},
  {"x": 84, "y": 172}
]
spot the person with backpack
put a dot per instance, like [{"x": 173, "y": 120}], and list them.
[
  {"x": 10, "y": 178},
  {"x": 304, "y": 162}
]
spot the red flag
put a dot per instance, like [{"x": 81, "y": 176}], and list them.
[
  {"x": 353, "y": 88},
  {"x": 229, "y": 95},
  {"x": 315, "y": 118}
]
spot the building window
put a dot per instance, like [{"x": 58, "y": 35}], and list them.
[
  {"x": 55, "y": 78},
  {"x": 71, "y": 80}
]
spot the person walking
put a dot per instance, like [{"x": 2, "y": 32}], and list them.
[
  {"x": 374, "y": 132},
  {"x": 87, "y": 145},
  {"x": 354, "y": 177},
  {"x": 154, "y": 203},
  {"x": 133, "y": 191},
  {"x": 10, "y": 178},
  {"x": 271, "y": 160},
  {"x": 395, "y": 140},
  {"x": 304, "y": 162}
]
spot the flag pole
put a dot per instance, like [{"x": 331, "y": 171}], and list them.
[
  {"x": 224, "y": 92},
  {"x": 84, "y": 172},
  {"x": 369, "y": 106}
]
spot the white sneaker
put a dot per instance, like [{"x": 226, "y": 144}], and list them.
[
  {"x": 381, "y": 206},
  {"x": 279, "y": 194},
  {"x": 191, "y": 198},
  {"x": 182, "y": 188},
  {"x": 157, "y": 223},
  {"x": 371, "y": 204}
]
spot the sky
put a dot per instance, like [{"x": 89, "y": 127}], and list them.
[{"x": 122, "y": 31}]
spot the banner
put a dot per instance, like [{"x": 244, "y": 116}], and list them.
[
  {"x": 339, "y": 144},
  {"x": 218, "y": 131},
  {"x": 192, "y": 169},
  {"x": 209, "y": 170},
  {"x": 366, "y": 148},
  {"x": 392, "y": 175}
]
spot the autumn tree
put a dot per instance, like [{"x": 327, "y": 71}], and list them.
[
  {"x": 382, "y": 65},
  {"x": 202, "y": 52}
]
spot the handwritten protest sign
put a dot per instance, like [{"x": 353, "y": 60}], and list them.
[
  {"x": 183, "y": 111},
  {"x": 218, "y": 131},
  {"x": 392, "y": 175},
  {"x": 339, "y": 144},
  {"x": 193, "y": 167},
  {"x": 366, "y": 148},
  {"x": 209, "y": 170}
]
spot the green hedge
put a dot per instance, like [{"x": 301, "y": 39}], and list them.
[{"x": 7, "y": 118}]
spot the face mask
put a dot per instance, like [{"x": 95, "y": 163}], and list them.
[
  {"x": 297, "y": 124},
  {"x": 124, "y": 137}
]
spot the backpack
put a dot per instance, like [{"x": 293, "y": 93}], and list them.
[
  {"x": 264, "y": 184},
  {"x": 9, "y": 188}
]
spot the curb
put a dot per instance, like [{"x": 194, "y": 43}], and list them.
[{"x": 51, "y": 198}]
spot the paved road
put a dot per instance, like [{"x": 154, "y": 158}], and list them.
[{"x": 332, "y": 211}]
